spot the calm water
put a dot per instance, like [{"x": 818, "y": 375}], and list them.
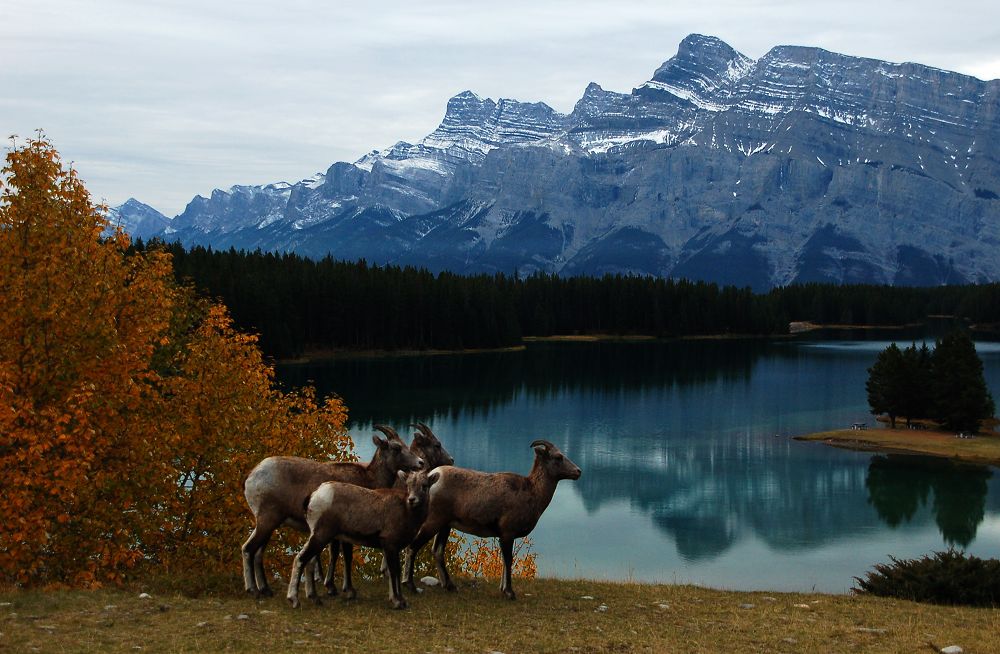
[{"x": 689, "y": 471}]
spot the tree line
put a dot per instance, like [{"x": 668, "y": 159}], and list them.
[{"x": 298, "y": 305}]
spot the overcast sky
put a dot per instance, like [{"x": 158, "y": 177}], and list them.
[{"x": 165, "y": 99}]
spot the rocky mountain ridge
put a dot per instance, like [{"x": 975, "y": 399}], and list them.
[{"x": 804, "y": 165}]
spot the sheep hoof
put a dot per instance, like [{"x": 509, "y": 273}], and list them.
[
  {"x": 509, "y": 594},
  {"x": 350, "y": 594},
  {"x": 265, "y": 592},
  {"x": 399, "y": 604},
  {"x": 411, "y": 585},
  {"x": 317, "y": 600},
  {"x": 450, "y": 586},
  {"x": 331, "y": 591},
  {"x": 294, "y": 601}
]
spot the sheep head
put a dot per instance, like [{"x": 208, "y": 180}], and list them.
[
  {"x": 427, "y": 446},
  {"x": 556, "y": 464},
  {"x": 418, "y": 484},
  {"x": 397, "y": 455}
]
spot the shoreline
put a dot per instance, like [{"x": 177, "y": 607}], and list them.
[
  {"x": 983, "y": 449},
  {"x": 319, "y": 356}
]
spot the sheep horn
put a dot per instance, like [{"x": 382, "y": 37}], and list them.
[
  {"x": 425, "y": 430},
  {"x": 388, "y": 431},
  {"x": 540, "y": 443}
]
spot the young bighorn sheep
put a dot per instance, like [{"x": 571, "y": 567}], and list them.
[
  {"x": 387, "y": 518},
  {"x": 502, "y": 504},
  {"x": 426, "y": 446},
  {"x": 276, "y": 487}
]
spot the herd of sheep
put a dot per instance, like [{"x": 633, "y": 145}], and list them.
[{"x": 397, "y": 501}]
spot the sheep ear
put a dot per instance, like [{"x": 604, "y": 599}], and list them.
[
  {"x": 379, "y": 442},
  {"x": 540, "y": 447},
  {"x": 401, "y": 475},
  {"x": 434, "y": 477}
]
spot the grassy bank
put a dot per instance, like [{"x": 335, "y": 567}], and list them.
[
  {"x": 549, "y": 616},
  {"x": 983, "y": 449}
]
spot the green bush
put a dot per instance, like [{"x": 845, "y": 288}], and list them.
[{"x": 950, "y": 577}]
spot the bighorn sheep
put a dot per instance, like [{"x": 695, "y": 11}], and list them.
[
  {"x": 387, "y": 518},
  {"x": 276, "y": 487},
  {"x": 503, "y": 504},
  {"x": 428, "y": 448}
]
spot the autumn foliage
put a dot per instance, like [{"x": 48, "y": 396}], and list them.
[{"x": 130, "y": 410}]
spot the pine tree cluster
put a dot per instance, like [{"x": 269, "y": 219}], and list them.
[{"x": 945, "y": 385}]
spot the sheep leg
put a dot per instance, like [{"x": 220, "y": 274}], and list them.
[
  {"x": 411, "y": 557},
  {"x": 348, "y": 587},
  {"x": 440, "y": 542},
  {"x": 258, "y": 568},
  {"x": 311, "y": 577},
  {"x": 507, "y": 552},
  {"x": 308, "y": 552},
  {"x": 331, "y": 585},
  {"x": 253, "y": 549},
  {"x": 391, "y": 555},
  {"x": 383, "y": 569}
]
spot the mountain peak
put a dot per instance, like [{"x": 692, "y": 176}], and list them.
[
  {"x": 706, "y": 60},
  {"x": 694, "y": 44}
]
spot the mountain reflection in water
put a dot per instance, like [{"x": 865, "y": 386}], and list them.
[{"x": 689, "y": 472}]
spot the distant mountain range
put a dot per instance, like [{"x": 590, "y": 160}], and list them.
[{"x": 804, "y": 165}]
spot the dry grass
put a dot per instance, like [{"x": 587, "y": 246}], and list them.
[
  {"x": 983, "y": 449},
  {"x": 550, "y": 616}
]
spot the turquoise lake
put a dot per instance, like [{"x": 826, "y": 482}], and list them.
[{"x": 690, "y": 474}]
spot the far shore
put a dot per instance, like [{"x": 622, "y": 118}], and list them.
[
  {"x": 982, "y": 449},
  {"x": 317, "y": 356}
]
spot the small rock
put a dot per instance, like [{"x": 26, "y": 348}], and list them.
[
  {"x": 145, "y": 596},
  {"x": 526, "y": 594},
  {"x": 300, "y": 642},
  {"x": 790, "y": 641},
  {"x": 586, "y": 597},
  {"x": 663, "y": 605},
  {"x": 429, "y": 581},
  {"x": 869, "y": 630},
  {"x": 243, "y": 616},
  {"x": 110, "y": 607},
  {"x": 264, "y": 611},
  {"x": 746, "y": 606},
  {"x": 47, "y": 627},
  {"x": 202, "y": 624},
  {"x": 228, "y": 617},
  {"x": 770, "y": 599},
  {"x": 952, "y": 649},
  {"x": 5, "y": 604},
  {"x": 602, "y": 608},
  {"x": 420, "y": 590},
  {"x": 494, "y": 652},
  {"x": 802, "y": 606}
]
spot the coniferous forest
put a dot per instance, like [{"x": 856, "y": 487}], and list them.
[{"x": 299, "y": 305}]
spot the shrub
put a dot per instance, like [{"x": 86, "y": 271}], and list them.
[{"x": 949, "y": 577}]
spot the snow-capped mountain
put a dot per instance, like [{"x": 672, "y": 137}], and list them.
[
  {"x": 138, "y": 219},
  {"x": 804, "y": 165}
]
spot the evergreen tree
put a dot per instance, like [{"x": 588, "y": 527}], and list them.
[
  {"x": 885, "y": 384},
  {"x": 961, "y": 398},
  {"x": 916, "y": 392}
]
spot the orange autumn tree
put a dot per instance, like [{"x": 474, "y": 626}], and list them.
[{"x": 130, "y": 411}]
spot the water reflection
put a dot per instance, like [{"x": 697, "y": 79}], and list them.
[
  {"x": 688, "y": 465},
  {"x": 899, "y": 486},
  {"x": 404, "y": 389}
]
